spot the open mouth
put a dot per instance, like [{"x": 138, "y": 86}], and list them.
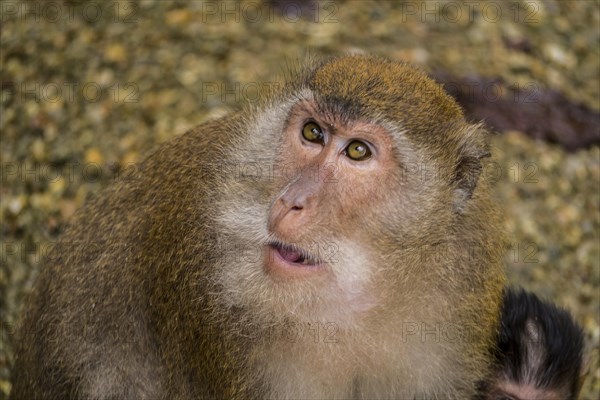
[{"x": 288, "y": 256}]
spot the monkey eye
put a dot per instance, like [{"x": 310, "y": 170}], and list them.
[
  {"x": 313, "y": 132},
  {"x": 358, "y": 151}
]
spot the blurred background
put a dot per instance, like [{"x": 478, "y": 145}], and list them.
[{"x": 87, "y": 88}]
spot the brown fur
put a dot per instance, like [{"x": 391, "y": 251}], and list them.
[{"x": 159, "y": 290}]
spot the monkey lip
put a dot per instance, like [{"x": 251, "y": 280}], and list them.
[{"x": 290, "y": 259}]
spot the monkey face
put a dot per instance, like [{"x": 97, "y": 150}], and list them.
[
  {"x": 312, "y": 218},
  {"x": 340, "y": 167},
  {"x": 360, "y": 165}
]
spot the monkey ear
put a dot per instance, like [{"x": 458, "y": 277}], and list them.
[{"x": 472, "y": 149}]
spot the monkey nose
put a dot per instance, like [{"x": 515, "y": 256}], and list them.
[
  {"x": 288, "y": 214},
  {"x": 291, "y": 209},
  {"x": 294, "y": 202}
]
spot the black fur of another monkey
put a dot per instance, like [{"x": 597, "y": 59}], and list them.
[
  {"x": 347, "y": 209},
  {"x": 540, "y": 351}
]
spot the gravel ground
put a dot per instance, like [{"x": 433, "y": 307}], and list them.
[{"x": 89, "y": 87}]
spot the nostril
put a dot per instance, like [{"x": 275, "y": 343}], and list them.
[
  {"x": 293, "y": 203},
  {"x": 296, "y": 199}
]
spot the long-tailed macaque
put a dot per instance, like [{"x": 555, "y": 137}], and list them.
[{"x": 336, "y": 241}]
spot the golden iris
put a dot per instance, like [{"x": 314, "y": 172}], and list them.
[
  {"x": 312, "y": 132},
  {"x": 358, "y": 151}
]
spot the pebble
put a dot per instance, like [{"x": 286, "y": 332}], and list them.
[{"x": 115, "y": 52}]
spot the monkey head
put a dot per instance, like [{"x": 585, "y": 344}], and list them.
[{"x": 362, "y": 161}]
